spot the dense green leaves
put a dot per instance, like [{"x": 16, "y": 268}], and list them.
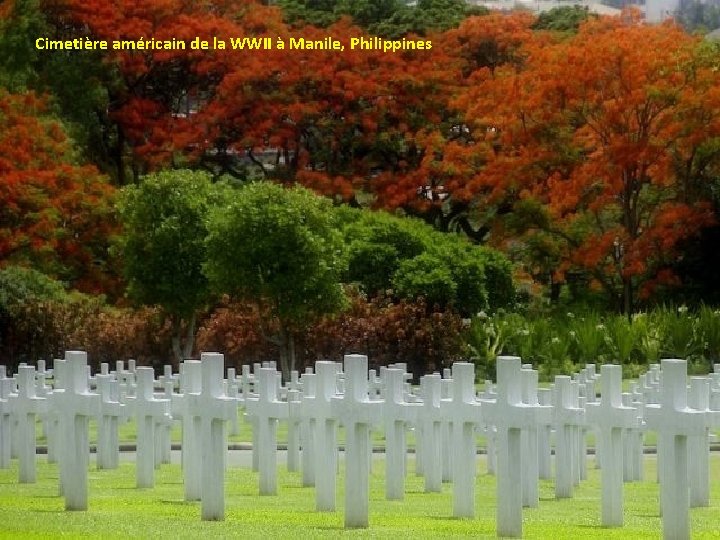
[
  {"x": 163, "y": 246},
  {"x": 279, "y": 246},
  {"x": 20, "y": 285},
  {"x": 427, "y": 276},
  {"x": 411, "y": 258},
  {"x": 562, "y": 19},
  {"x": 387, "y": 18}
]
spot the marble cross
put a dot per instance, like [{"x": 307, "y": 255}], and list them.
[
  {"x": 26, "y": 405},
  {"x": 75, "y": 405},
  {"x": 357, "y": 413},
  {"x": 397, "y": 414},
  {"x": 214, "y": 409},
  {"x": 511, "y": 416},
  {"x": 430, "y": 421},
  {"x": 611, "y": 418},
  {"x": 267, "y": 409},
  {"x": 674, "y": 421},
  {"x": 567, "y": 417},
  {"x": 464, "y": 412}
]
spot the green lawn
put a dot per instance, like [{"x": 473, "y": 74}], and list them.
[
  {"x": 118, "y": 510},
  {"x": 127, "y": 434}
]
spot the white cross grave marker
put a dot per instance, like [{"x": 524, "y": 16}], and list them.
[
  {"x": 611, "y": 418},
  {"x": 293, "y": 429},
  {"x": 357, "y": 413},
  {"x": 529, "y": 438},
  {"x": 464, "y": 412},
  {"x": 7, "y": 385},
  {"x": 510, "y": 416},
  {"x": 699, "y": 446},
  {"x": 109, "y": 416},
  {"x": 25, "y": 405},
  {"x": 544, "y": 447},
  {"x": 183, "y": 406},
  {"x": 320, "y": 408},
  {"x": 674, "y": 421},
  {"x": 397, "y": 415},
  {"x": 307, "y": 431},
  {"x": 214, "y": 409},
  {"x": 267, "y": 410},
  {"x": 430, "y": 421},
  {"x": 75, "y": 404},
  {"x": 567, "y": 416},
  {"x": 147, "y": 411}
]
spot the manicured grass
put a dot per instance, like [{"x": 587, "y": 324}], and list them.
[
  {"x": 119, "y": 510},
  {"x": 127, "y": 434}
]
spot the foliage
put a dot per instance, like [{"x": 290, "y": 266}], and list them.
[
  {"x": 19, "y": 285},
  {"x": 236, "y": 330},
  {"x": 603, "y": 180},
  {"x": 110, "y": 334},
  {"x": 555, "y": 342},
  {"x": 425, "y": 276},
  {"x": 409, "y": 257},
  {"x": 377, "y": 244},
  {"x": 621, "y": 339},
  {"x": 46, "y": 327},
  {"x": 163, "y": 245},
  {"x": 611, "y": 153},
  {"x": 55, "y": 216},
  {"x": 426, "y": 338},
  {"x": 486, "y": 340},
  {"x": 588, "y": 334},
  {"x": 387, "y": 18},
  {"x": 562, "y": 19},
  {"x": 280, "y": 249}
]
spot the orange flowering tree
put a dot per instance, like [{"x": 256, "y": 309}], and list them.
[
  {"x": 54, "y": 215},
  {"x": 589, "y": 135}
]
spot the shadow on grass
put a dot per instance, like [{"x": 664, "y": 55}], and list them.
[
  {"x": 449, "y": 518},
  {"x": 179, "y": 502},
  {"x": 333, "y": 528}
]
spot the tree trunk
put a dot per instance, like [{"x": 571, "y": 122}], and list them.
[
  {"x": 628, "y": 298},
  {"x": 189, "y": 337},
  {"x": 287, "y": 352},
  {"x": 182, "y": 346},
  {"x": 176, "y": 329}
]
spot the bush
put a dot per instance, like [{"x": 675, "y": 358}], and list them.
[
  {"x": 388, "y": 332},
  {"x": 427, "y": 339},
  {"x": 41, "y": 320},
  {"x": 466, "y": 264},
  {"x": 235, "y": 329},
  {"x": 378, "y": 243},
  {"x": 19, "y": 285},
  {"x": 427, "y": 277},
  {"x": 498, "y": 277},
  {"x": 416, "y": 260}
]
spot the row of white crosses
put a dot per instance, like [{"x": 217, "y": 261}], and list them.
[
  {"x": 464, "y": 411},
  {"x": 519, "y": 414}
]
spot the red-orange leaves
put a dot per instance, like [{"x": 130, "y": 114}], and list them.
[
  {"x": 53, "y": 214},
  {"x": 594, "y": 127}
]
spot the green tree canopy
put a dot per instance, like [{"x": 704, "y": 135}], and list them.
[
  {"x": 387, "y": 18},
  {"x": 163, "y": 245},
  {"x": 563, "y": 19},
  {"x": 279, "y": 248},
  {"x": 410, "y": 257}
]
